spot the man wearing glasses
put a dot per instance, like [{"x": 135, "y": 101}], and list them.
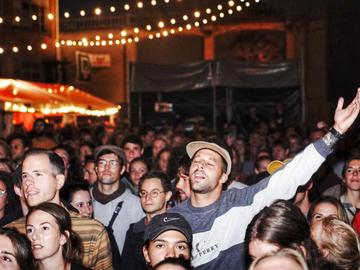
[
  {"x": 108, "y": 193},
  {"x": 155, "y": 193}
]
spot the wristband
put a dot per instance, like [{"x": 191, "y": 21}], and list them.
[
  {"x": 332, "y": 137},
  {"x": 336, "y": 133}
]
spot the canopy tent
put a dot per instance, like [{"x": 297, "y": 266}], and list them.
[
  {"x": 31, "y": 97},
  {"x": 243, "y": 82}
]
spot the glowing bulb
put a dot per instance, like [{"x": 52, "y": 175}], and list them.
[
  {"x": 29, "y": 48},
  {"x": 197, "y": 24},
  {"x": 238, "y": 8},
  {"x": 172, "y": 21},
  {"x": 153, "y": 2},
  {"x": 123, "y": 33},
  {"x": 231, "y": 3},
  {"x": 17, "y": 19},
  {"x": 148, "y": 27},
  {"x": 97, "y": 37},
  {"x": 15, "y": 49},
  {"x": 221, "y": 15},
  {"x": 103, "y": 43},
  {"x": 34, "y": 17},
  {"x": 126, "y": 6},
  {"x": 185, "y": 17},
  {"x": 57, "y": 44},
  {"x": 82, "y": 13},
  {"x": 50, "y": 16},
  {"x": 117, "y": 42},
  {"x": 247, "y": 4},
  {"x": 140, "y": 4},
  {"x": 123, "y": 41},
  {"x": 208, "y": 11},
  {"x": 161, "y": 24},
  {"x": 97, "y": 11},
  {"x": 66, "y": 14},
  {"x": 136, "y": 30},
  {"x": 158, "y": 35},
  {"x": 180, "y": 29},
  {"x": 197, "y": 14},
  {"x": 172, "y": 31},
  {"x": 165, "y": 33},
  {"x": 230, "y": 11},
  {"x": 188, "y": 26},
  {"x": 110, "y": 36},
  {"x": 219, "y": 7},
  {"x": 129, "y": 40},
  {"x": 204, "y": 21},
  {"x": 151, "y": 36},
  {"x": 213, "y": 18},
  {"x": 166, "y": 1},
  {"x": 136, "y": 39},
  {"x": 112, "y": 9},
  {"x": 1, "y": 50}
]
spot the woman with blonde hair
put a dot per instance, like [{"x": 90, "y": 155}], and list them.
[
  {"x": 284, "y": 259},
  {"x": 338, "y": 242}
]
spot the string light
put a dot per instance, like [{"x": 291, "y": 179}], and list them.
[
  {"x": 204, "y": 16},
  {"x": 97, "y": 11},
  {"x": 112, "y": 9}
]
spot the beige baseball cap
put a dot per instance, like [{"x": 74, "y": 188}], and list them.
[{"x": 193, "y": 147}]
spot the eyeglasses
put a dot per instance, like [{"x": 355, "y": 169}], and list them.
[
  {"x": 2, "y": 192},
  {"x": 352, "y": 170},
  {"x": 113, "y": 163},
  {"x": 153, "y": 194}
]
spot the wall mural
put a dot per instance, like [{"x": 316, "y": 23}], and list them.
[{"x": 258, "y": 46}]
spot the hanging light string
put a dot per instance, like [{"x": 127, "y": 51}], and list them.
[{"x": 163, "y": 28}]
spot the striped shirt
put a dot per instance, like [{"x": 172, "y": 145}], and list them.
[{"x": 96, "y": 249}]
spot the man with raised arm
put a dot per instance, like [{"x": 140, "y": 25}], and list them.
[{"x": 219, "y": 218}]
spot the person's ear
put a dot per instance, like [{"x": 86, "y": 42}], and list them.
[
  {"x": 146, "y": 255},
  {"x": 60, "y": 181},
  {"x": 64, "y": 237},
  {"x": 17, "y": 191},
  {"x": 223, "y": 178},
  {"x": 123, "y": 169},
  {"x": 168, "y": 196}
]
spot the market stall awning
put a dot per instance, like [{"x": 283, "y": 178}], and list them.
[{"x": 25, "y": 96}]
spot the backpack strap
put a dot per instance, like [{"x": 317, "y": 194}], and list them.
[{"x": 115, "y": 214}]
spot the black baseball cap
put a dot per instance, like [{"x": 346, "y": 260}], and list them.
[{"x": 167, "y": 222}]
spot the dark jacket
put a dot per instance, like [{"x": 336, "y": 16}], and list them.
[{"x": 132, "y": 256}]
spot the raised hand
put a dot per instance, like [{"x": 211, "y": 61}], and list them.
[{"x": 345, "y": 117}]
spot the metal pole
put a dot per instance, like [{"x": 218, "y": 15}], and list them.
[
  {"x": 214, "y": 108},
  {"x": 140, "y": 109},
  {"x": 129, "y": 84},
  {"x": 57, "y": 37}
]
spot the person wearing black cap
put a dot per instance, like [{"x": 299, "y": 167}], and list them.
[
  {"x": 167, "y": 235},
  {"x": 219, "y": 218}
]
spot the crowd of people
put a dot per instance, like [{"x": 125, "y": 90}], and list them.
[{"x": 105, "y": 197}]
